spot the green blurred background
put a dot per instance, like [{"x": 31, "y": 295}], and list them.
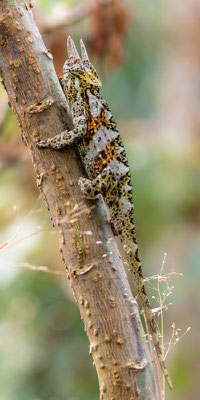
[{"x": 147, "y": 54}]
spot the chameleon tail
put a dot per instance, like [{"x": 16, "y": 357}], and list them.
[
  {"x": 136, "y": 269},
  {"x": 128, "y": 238},
  {"x": 122, "y": 214}
]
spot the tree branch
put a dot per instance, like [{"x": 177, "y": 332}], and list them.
[
  {"x": 94, "y": 267},
  {"x": 66, "y": 16}
]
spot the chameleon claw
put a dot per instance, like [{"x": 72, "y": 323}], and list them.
[{"x": 84, "y": 184}]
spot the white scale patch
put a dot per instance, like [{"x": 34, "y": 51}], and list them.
[
  {"x": 96, "y": 146},
  {"x": 119, "y": 167},
  {"x": 120, "y": 149},
  {"x": 95, "y": 104},
  {"x": 126, "y": 205},
  {"x": 127, "y": 187},
  {"x": 77, "y": 84}
]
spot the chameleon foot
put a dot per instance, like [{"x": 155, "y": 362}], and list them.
[
  {"x": 89, "y": 188},
  {"x": 57, "y": 142},
  {"x": 103, "y": 184}
]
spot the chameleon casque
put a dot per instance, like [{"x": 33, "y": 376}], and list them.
[{"x": 105, "y": 162}]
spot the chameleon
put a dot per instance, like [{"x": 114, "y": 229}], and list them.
[{"x": 104, "y": 159}]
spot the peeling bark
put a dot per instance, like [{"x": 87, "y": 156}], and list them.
[{"x": 88, "y": 248}]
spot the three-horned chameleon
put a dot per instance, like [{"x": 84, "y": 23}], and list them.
[{"x": 104, "y": 158}]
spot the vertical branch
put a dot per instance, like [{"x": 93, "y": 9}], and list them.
[{"x": 94, "y": 267}]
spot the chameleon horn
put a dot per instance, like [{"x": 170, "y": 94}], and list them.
[
  {"x": 84, "y": 51},
  {"x": 71, "y": 49}
]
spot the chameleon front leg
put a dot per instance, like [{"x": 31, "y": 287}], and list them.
[
  {"x": 104, "y": 183},
  {"x": 66, "y": 138}
]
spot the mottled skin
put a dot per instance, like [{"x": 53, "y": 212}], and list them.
[{"x": 104, "y": 159}]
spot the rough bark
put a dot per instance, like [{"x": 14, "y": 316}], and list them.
[{"x": 94, "y": 266}]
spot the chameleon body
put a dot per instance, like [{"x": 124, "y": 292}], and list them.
[{"x": 104, "y": 159}]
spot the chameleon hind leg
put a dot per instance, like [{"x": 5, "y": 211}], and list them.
[
  {"x": 66, "y": 138},
  {"x": 105, "y": 182}
]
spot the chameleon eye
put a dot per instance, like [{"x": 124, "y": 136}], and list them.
[{"x": 76, "y": 69}]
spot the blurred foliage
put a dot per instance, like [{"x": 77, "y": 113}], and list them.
[
  {"x": 43, "y": 347},
  {"x": 41, "y": 333}
]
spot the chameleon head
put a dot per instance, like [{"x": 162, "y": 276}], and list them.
[{"x": 80, "y": 68}]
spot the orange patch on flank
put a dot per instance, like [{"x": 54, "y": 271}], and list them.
[
  {"x": 103, "y": 158},
  {"x": 94, "y": 123}
]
